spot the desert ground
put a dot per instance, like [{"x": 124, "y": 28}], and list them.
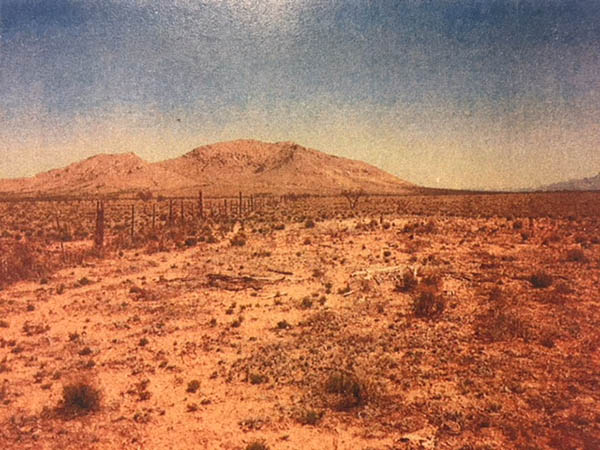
[{"x": 440, "y": 321}]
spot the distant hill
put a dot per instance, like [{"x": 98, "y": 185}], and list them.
[
  {"x": 283, "y": 167},
  {"x": 99, "y": 175},
  {"x": 218, "y": 169},
  {"x": 582, "y": 184}
]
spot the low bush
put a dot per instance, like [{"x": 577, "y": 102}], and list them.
[
  {"x": 407, "y": 282},
  {"x": 345, "y": 391},
  {"x": 498, "y": 324},
  {"x": 575, "y": 255},
  {"x": 540, "y": 279},
  {"x": 257, "y": 445},
  {"x": 309, "y": 416},
  {"x": 79, "y": 398},
  {"x": 428, "y": 303},
  {"x": 239, "y": 240},
  {"x": 20, "y": 261}
]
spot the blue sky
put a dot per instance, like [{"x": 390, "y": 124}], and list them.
[{"x": 454, "y": 93}]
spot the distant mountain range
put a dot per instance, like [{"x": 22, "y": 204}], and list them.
[
  {"x": 582, "y": 184},
  {"x": 219, "y": 169}
]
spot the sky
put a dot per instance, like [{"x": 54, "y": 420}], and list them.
[{"x": 468, "y": 94}]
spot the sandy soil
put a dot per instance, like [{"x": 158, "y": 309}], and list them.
[{"x": 263, "y": 327}]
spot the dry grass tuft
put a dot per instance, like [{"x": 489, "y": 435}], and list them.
[
  {"x": 309, "y": 416},
  {"x": 576, "y": 255},
  {"x": 345, "y": 391},
  {"x": 407, "y": 282},
  {"x": 257, "y": 445},
  {"x": 428, "y": 303},
  {"x": 540, "y": 279},
  {"x": 239, "y": 240},
  {"x": 498, "y": 324},
  {"x": 20, "y": 261},
  {"x": 79, "y": 399}
]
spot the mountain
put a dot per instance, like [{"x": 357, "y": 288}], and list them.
[
  {"x": 582, "y": 184},
  {"x": 283, "y": 167},
  {"x": 98, "y": 175},
  {"x": 219, "y": 169}
]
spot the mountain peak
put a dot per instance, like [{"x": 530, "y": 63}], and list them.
[
  {"x": 222, "y": 168},
  {"x": 278, "y": 167}
]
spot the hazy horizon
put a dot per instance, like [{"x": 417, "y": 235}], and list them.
[{"x": 457, "y": 94}]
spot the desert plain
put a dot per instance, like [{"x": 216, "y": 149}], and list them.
[{"x": 402, "y": 322}]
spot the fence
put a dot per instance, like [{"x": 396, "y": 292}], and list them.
[{"x": 190, "y": 209}]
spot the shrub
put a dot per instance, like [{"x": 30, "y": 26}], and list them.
[
  {"x": 347, "y": 390},
  {"x": 306, "y": 303},
  {"x": 309, "y": 416},
  {"x": 575, "y": 255},
  {"x": 239, "y": 240},
  {"x": 428, "y": 304},
  {"x": 257, "y": 445},
  {"x": 420, "y": 227},
  {"x": 497, "y": 325},
  {"x": 79, "y": 398},
  {"x": 257, "y": 378},
  {"x": 283, "y": 325},
  {"x": 19, "y": 261},
  {"x": 540, "y": 280},
  {"x": 407, "y": 282},
  {"x": 193, "y": 386},
  {"x": 309, "y": 223}
]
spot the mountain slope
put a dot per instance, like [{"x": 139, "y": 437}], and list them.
[
  {"x": 100, "y": 174},
  {"x": 582, "y": 184},
  {"x": 220, "y": 169},
  {"x": 283, "y": 167}
]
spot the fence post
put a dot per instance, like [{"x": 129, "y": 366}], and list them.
[
  {"x": 200, "y": 204},
  {"x": 132, "y": 220},
  {"x": 241, "y": 205},
  {"x": 170, "y": 212},
  {"x": 99, "y": 234},
  {"x": 182, "y": 214},
  {"x": 153, "y": 215}
]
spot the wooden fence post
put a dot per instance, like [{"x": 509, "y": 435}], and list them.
[
  {"x": 153, "y": 215},
  {"x": 182, "y": 214},
  {"x": 200, "y": 204},
  {"x": 99, "y": 233},
  {"x": 241, "y": 205},
  {"x": 132, "y": 220},
  {"x": 170, "y": 212}
]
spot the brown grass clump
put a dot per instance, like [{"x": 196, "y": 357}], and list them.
[
  {"x": 575, "y": 255},
  {"x": 428, "y": 303},
  {"x": 19, "y": 261},
  {"x": 540, "y": 279},
  {"x": 498, "y": 324},
  {"x": 345, "y": 391},
  {"x": 257, "y": 445},
  {"x": 309, "y": 416},
  {"x": 79, "y": 399},
  {"x": 193, "y": 386},
  {"x": 407, "y": 282},
  {"x": 420, "y": 227},
  {"x": 239, "y": 240}
]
